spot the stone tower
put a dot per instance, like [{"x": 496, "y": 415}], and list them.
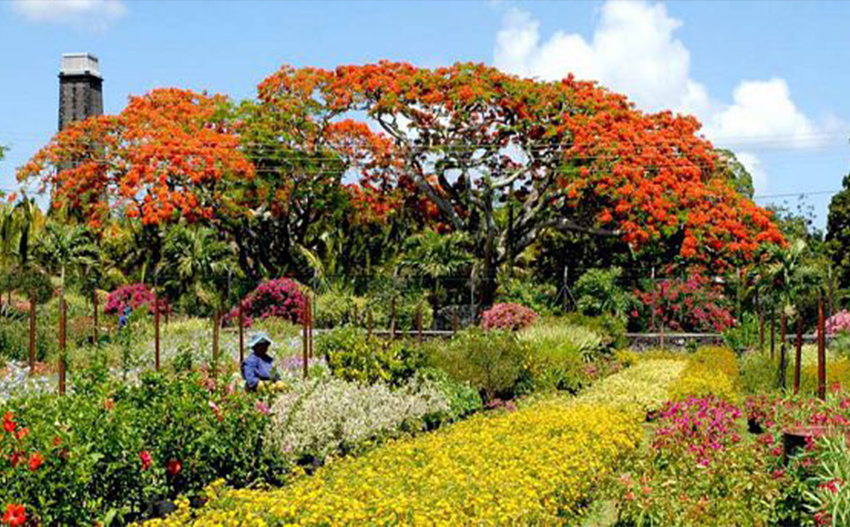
[{"x": 80, "y": 88}]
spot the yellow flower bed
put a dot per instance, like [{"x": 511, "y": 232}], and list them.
[{"x": 535, "y": 466}]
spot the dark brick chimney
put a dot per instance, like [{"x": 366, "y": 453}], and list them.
[{"x": 80, "y": 88}]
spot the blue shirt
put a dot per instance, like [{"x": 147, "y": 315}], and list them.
[{"x": 256, "y": 369}]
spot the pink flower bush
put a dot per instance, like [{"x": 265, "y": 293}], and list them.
[
  {"x": 134, "y": 296},
  {"x": 702, "y": 426},
  {"x": 508, "y": 317},
  {"x": 692, "y": 305},
  {"x": 281, "y": 298},
  {"x": 837, "y": 323}
]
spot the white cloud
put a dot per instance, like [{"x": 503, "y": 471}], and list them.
[
  {"x": 634, "y": 50},
  {"x": 763, "y": 113},
  {"x": 88, "y": 13}
]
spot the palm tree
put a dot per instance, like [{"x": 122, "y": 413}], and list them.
[
  {"x": 436, "y": 257},
  {"x": 200, "y": 265}
]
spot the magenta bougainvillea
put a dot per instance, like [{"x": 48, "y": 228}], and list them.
[
  {"x": 280, "y": 298},
  {"x": 699, "y": 425},
  {"x": 508, "y": 317},
  {"x": 837, "y": 323},
  {"x": 133, "y": 296},
  {"x": 687, "y": 305}
]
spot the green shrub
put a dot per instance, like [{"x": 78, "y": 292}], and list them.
[
  {"x": 611, "y": 329},
  {"x": 561, "y": 355},
  {"x": 597, "y": 293},
  {"x": 463, "y": 399},
  {"x": 758, "y": 372},
  {"x": 529, "y": 293},
  {"x": 352, "y": 356},
  {"x": 494, "y": 362}
]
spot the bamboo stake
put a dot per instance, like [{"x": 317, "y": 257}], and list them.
[
  {"x": 798, "y": 354},
  {"x": 821, "y": 351},
  {"x": 156, "y": 330}
]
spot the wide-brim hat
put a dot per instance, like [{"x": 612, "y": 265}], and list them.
[{"x": 259, "y": 338}]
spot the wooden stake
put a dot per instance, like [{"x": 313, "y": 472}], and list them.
[
  {"x": 798, "y": 356},
  {"x": 216, "y": 328},
  {"x": 62, "y": 342},
  {"x": 772, "y": 336},
  {"x": 32, "y": 333},
  {"x": 419, "y": 324},
  {"x": 94, "y": 329},
  {"x": 392, "y": 319},
  {"x": 305, "y": 338},
  {"x": 821, "y": 350},
  {"x": 369, "y": 324},
  {"x": 156, "y": 329},
  {"x": 241, "y": 322}
]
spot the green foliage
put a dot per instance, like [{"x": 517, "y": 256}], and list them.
[
  {"x": 597, "y": 293},
  {"x": 758, "y": 373},
  {"x": 562, "y": 356},
  {"x": 744, "y": 335},
  {"x": 494, "y": 362},
  {"x": 463, "y": 399},
  {"x": 610, "y": 328},
  {"x": 529, "y": 293},
  {"x": 352, "y": 356},
  {"x": 92, "y": 443},
  {"x": 838, "y": 232}
]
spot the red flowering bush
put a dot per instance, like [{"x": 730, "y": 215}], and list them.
[
  {"x": 700, "y": 425},
  {"x": 281, "y": 298},
  {"x": 133, "y": 296},
  {"x": 15, "y": 515},
  {"x": 508, "y": 316},
  {"x": 687, "y": 305}
]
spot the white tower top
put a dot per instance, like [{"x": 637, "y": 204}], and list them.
[{"x": 80, "y": 64}]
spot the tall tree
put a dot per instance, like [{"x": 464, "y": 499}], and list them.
[
  {"x": 838, "y": 233},
  {"x": 572, "y": 155}
]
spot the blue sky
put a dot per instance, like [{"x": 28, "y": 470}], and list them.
[{"x": 769, "y": 80}]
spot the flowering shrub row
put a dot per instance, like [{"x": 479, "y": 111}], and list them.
[
  {"x": 690, "y": 305},
  {"x": 643, "y": 386},
  {"x": 133, "y": 296},
  {"x": 534, "y": 466},
  {"x": 329, "y": 416}
]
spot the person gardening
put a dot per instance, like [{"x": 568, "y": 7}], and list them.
[{"x": 259, "y": 366}]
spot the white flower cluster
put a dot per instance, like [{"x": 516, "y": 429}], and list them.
[
  {"x": 15, "y": 381},
  {"x": 322, "y": 417}
]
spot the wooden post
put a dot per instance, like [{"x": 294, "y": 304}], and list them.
[
  {"x": 63, "y": 335},
  {"x": 761, "y": 330},
  {"x": 156, "y": 330},
  {"x": 455, "y": 322},
  {"x": 32, "y": 333},
  {"x": 392, "y": 318},
  {"x": 94, "y": 328},
  {"x": 216, "y": 328},
  {"x": 783, "y": 356},
  {"x": 419, "y": 324},
  {"x": 309, "y": 326},
  {"x": 821, "y": 350},
  {"x": 305, "y": 338},
  {"x": 241, "y": 322},
  {"x": 356, "y": 316},
  {"x": 772, "y": 335},
  {"x": 798, "y": 356},
  {"x": 369, "y": 324},
  {"x": 654, "y": 295},
  {"x": 662, "y": 337}
]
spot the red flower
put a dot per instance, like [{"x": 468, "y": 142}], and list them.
[
  {"x": 8, "y": 424},
  {"x": 173, "y": 467},
  {"x": 23, "y": 432},
  {"x": 36, "y": 461},
  {"x": 145, "y": 456},
  {"x": 15, "y": 459},
  {"x": 15, "y": 515}
]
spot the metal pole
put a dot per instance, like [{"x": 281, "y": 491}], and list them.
[{"x": 821, "y": 350}]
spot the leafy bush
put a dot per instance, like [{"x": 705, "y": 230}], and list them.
[
  {"x": 336, "y": 309},
  {"x": 691, "y": 305},
  {"x": 113, "y": 451},
  {"x": 280, "y": 298},
  {"x": 744, "y": 335},
  {"x": 537, "y": 296},
  {"x": 494, "y": 362},
  {"x": 597, "y": 293},
  {"x": 462, "y": 399},
  {"x": 758, "y": 373},
  {"x": 538, "y": 465},
  {"x": 319, "y": 418},
  {"x": 562, "y": 356},
  {"x": 611, "y": 329},
  {"x": 509, "y": 317},
  {"x": 352, "y": 356}
]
